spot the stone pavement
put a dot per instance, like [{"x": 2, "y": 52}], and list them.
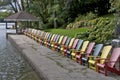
[{"x": 51, "y": 65}]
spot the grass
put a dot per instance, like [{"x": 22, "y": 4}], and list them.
[{"x": 66, "y": 32}]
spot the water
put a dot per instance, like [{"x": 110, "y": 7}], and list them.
[{"x": 12, "y": 65}]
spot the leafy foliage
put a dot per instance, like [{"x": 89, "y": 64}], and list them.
[
  {"x": 87, "y": 20},
  {"x": 101, "y": 32}
]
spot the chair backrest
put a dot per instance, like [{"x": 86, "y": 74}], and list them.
[
  {"x": 38, "y": 33},
  {"x": 105, "y": 51},
  {"x": 46, "y": 35},
  {"x": 71, "y": 42},
  {"x": 79, "y": 44},
  {"x": 84, "y": 46},
  {"x": 75, "y": 43},
  {"x": 97, "y": 49},
  {"x": 33, "y": 30},
  {"x": 52, "y": 37},
  {"x": 64, "y": 40},
  {"x": 30, "y": 30},
  {"x": 57, "y": 39},
  {"x": 114, "y": 57},
  {"x": 60, "y": 39},
  {"x": 43, "y": 34},
  {"x": 90, "y": 48},
  {"x": 67, "y": 42},
  {"x": 49, "y": 37}
]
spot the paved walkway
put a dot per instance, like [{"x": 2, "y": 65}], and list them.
[{"x": 51, "y": 65}]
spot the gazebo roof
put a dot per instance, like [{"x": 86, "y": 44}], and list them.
[{"x": 21, "y": 16}]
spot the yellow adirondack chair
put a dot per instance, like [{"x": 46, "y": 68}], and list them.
[
  {"x": 82, "y": 50},
  {"x": 59, "y": 42},
  {"x": 104, "y": 54}
]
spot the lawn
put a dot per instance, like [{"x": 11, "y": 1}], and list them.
[{"x": 66, "y": 32}]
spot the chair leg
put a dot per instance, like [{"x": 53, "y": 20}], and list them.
[
  {"x": 119, "y": 63},
  {"x": 105, "y": 69}
]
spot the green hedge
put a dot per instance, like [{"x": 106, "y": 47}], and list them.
[{"x": 101, "y": 32}]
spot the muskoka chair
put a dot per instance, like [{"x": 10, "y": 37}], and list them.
[
  {"x": 66, "y": 44},
  {"x": 73, "y": 53},
  {"x": 104, "y": 54},
  {"x": 68, "y": 47},
  {"x": 86, "y": 53},
  {"x": 95, "y": 52},
  {"x": 59, "y": 43},
  {"x": 82, "y": 50},
  {"x": 58, "y": 48},
  {"x": 45, "y": 38},
  {"x": 69, "y": 50},
  {"x": 48, "y": 39},
  {"x": 55, "y": 41},
  {"x": 41, "y": 37},
  {"x": 29, "y": 32},
  {"x": 104, "y": 65},
  {"x": 34, "y": 34},
  {"x": 26, "y": 31},
  {"x": 37, "y": 35},
  {"x": 51, "y": 40}
]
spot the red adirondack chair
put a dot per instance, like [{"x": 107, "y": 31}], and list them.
[{"x": 110, "y": 64}]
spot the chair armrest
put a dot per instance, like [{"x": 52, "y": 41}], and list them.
[
  {"x": 79, "y": 52},
  {"x": 73, "y": 50},
  {"x": 83, "y": 55},
  {"x": 98, "y": 59},
  {"x": 92, "y": 57}
]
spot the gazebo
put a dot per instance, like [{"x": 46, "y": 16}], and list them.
[{"x": 20, "y": 17}]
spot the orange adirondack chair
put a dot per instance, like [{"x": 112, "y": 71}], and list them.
[{"x": 110, "y": 64}]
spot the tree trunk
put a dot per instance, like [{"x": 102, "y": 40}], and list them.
[
  {"x": 55, "y": 21},
  {"x": 22, "y": 4}
]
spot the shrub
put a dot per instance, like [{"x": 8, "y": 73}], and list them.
[{"x": 103, "y": 31}]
